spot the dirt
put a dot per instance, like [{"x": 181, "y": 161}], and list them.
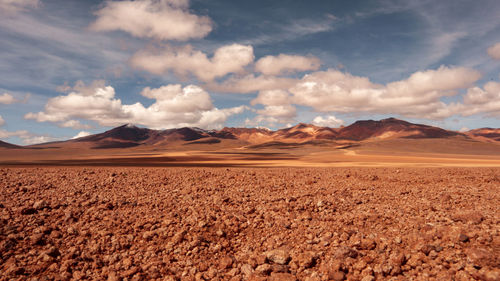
[{"x": 90, "y": 223}]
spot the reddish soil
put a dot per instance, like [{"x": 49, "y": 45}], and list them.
[{"x": 249, "y": 224}]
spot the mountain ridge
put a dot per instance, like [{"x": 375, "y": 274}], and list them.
[{"x": 128, "y": 135}]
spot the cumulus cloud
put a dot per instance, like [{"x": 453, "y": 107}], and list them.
[
  {"x": 494, "y": 51},
  {"x": 418, "y": 96},
  {"x": 251, "y": 83},
  {"x": 7, "y": 134},
  {"x": 185, "y": 61},
  {"x": 27, "y": 137},
  {"x": 75, "y": 124},
  {"x": 159, "y": 19},
  {"x": 272, "y": 97},
  {"x": 14, "y": 6},
  {"x": 7, "y": 98},
  {"x": 33, "y": 139},
  {"x": 286, "y": 64},
  {"x": 174, "y": 106},
  {"x": 328, "y": 121},
  {"x": 81, "y": 135},
  {"x": 477, "y": 100},
  {"x": 283, "y": 112}
]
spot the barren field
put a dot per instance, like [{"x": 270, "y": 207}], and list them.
[{"x": 89, "y": 223}]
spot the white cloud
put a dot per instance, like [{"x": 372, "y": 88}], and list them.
[
  {"x": 286, "y": 64},
  {"x": 159, "y": 19},
  {"x": 185, "y": 61},
  {"x": 329, "y": 121},
  {"x": 477, "y": 100},
  {"x": 38, "y": 139},
  {"x": 285, "y": 112},
  {"x": 81, "y": 135},
  {"x": 13, "y": 6},
  {"x": 7, "y": 134},
  {"x": 74, "y": 124},
  {"x": 174, "y": 106},
  {"x": 7, "y": 98},
  {"x": 272, "y": 97},
  {"x": 27, "y": 137},
  {"x": 418, "y": 96},
  {"x": 2, "y": 122},
  {"x": 251, "y": 83},
  {"x": 494, "y": 51}
]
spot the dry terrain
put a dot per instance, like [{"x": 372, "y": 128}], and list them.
[{"x": 97, "y": 223}]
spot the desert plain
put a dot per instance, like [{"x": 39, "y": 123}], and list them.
[{"x": 181, "y": 223}]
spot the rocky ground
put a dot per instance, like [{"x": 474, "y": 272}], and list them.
[{"x": 249, "y": 224}]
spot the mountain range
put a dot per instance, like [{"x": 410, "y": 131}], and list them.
[{"x": 128, "y": 135}]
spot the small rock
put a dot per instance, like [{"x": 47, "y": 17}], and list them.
[
  {"x": 368, "y": 244},
  {"x": 41, "y": 204},
  {"x": 226, "y": 263},
  {"x": 480, "y": 257},
  {"x": 305, "y": 260},
  {"x": 282, "y": 277},
  {"x": 337, "y": 276},
  {"x": 468, "y": 216},
  {"x": 344, "y": 252},
  {"x": 279, "y": 256},
  {"x": 37, "y": 239},
  {"x": 492, "y": 275},
  {"x": 264, "y": 269},
  {"x": 28, "y": 211},
  {"x": 463, "y": 238},
  {"x": 112, "y": 276},
  {"x": 246, "y": 269},
  {"x": 368, "y": 278}
]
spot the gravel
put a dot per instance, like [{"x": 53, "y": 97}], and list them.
[{"x": 96, "y": 223}]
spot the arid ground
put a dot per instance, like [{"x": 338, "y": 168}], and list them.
[{"x": 133, "y": 223}]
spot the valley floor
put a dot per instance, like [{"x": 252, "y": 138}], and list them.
[{"x": 133, "y": 223}]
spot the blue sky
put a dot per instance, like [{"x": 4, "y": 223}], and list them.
[{"x": 78, "y": 67}]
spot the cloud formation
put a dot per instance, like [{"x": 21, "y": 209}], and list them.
[
  {"x": 7, "y": 98},
  {"x": 418, "y": 96},
  {"x": 286, "y": 64},
  {"x": 2, "y": 122},
  {"x": 494, "y": 51},
  {"x": 185, "y": 61},
  {"x": 477, "y": 100},
  {"x": 251, "y": 83},
  {"x": 74, "y": 124},
  {"x": 158, "y": 19},
  {"x": 328, "y": 121},
  {"x": 14, "y": 6},
  {"x": 272, "y": 97},
  {"x": 174, "y": 106}
]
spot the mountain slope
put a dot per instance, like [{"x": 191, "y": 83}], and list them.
[
  {"x": 486, "y": 134},
  {"x": 391, "y": 128},
  {"x": 127, "y": 136},
  {"x": 8, "y": 145}
]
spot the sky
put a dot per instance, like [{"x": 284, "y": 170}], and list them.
[{"x": 72, "y": 68}]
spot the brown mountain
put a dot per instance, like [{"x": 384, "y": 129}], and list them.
[
  {"x": 8, "y": 145},
  {"x": 391, "y": 128},
  {"x": 301, "y": 134},
  {"x": 486, "y": 134},
  {"x": 119, "y": 137}
]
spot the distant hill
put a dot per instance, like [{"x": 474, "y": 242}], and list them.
[
  {"x": 391, "y": 128},
  {"x": 127, "y": 136},
  {"x": 8, "y": 145},
  {"x": 488, "y": 134}
]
